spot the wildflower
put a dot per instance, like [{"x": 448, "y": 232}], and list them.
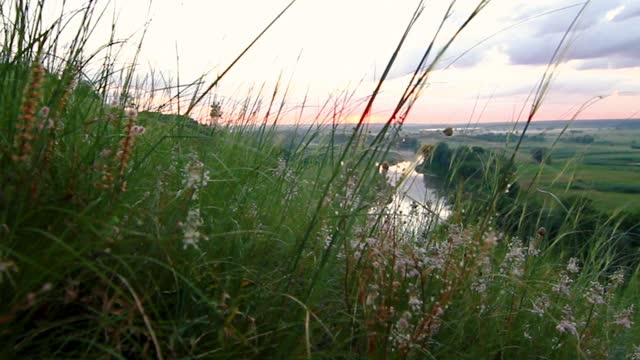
[
  {"x": 564, "y": 285},
  {"x": 490, "y": 240},
  {"x": 635, "y": 355},
  {"x": 480, "y": 285},
  {"x": 415, "y": 304},
  {"x": 596, "y": 293},
  {"x": 24, "y": 125},
  {"x": 623, "y": 318},
  {"x": 371, "y": 299},
  {"x": 402, "y": 323},
  {"x": 573, "y": 266},
  {"x": 513, "y": 262},
  {"x": 533, "y": 247},
  {"x": 506, "y": 191},
  {"x": 103, "y": 167},
  {"x": 131, "y": 113},
  {"x": 567, "y": 324},
  {"x": 616, "y": 279},
  {"x": 197, "y": 174},
  {"x": 540, "y": 305},
  {"x": 69, "y": 84},
  {"x": 190, "y": 228},
  {"x": 138, "y": 130},
  {"x": 413, "y": 273},
  {"x": 46, "y": 124},
  {"x": 44, "y": 112},
  {"x": 401, "y": 334},
  {"x": 126, "y": 146}
]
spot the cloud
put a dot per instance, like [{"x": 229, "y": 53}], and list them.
[
  {"x": 607, "y": 63},
  {"x": 528, "y": 33},
  {"x": 603, "y": 37}
]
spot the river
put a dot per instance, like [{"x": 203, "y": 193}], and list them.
[{"x": 416, "y": 200}]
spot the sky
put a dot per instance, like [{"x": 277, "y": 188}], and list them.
[{"x": 322, "y": 49}]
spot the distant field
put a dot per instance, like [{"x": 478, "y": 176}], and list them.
[{"x": 606, "y": 170}]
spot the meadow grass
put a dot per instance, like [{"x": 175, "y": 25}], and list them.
[{"x": 128, "y": 233}]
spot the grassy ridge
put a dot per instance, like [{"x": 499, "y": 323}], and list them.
[{"x": 132, "y": 234}]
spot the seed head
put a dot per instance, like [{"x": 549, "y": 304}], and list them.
[
  {"x": 138, "y": 130},
  {"x": 132, "y": 113},
  {"x": 542, "y": 231}
]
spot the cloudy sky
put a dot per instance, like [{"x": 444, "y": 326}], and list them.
[{"x": 324, "y": 48}]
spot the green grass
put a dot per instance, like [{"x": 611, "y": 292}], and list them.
[{"x": 241, "y": 241}]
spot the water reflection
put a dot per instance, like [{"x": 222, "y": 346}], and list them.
[{"x": 416, "y": 200}]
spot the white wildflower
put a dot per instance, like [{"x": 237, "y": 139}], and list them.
[
  {"x": 564, "y": 286},
  {"x": 624, "y": 318},
  {"x": 415, "y": 304},
  {"x": 540, "y": 305},
  {"x": 285, "y": 172},
  {"x": 197, "y": 175},
  {"x": 190, "y": 228},
  {"x": 567, "y": 324},
  {"x": 616, "y": 279},
  {"x": 635, "y": 355},
  {"x": 490, "y": 240},
  {"x": 479, "y": 285},
  {"x": 437, "y": 257},
  {"x": 413, "y": 273},
  {"x": 533, "y": 247},
  {"x": 573, "y": 266},
  {"x": 513, "y": 262},
  {"x": 596, "y": 294}
]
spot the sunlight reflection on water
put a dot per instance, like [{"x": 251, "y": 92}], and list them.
[{"x": 415, "y": 202}]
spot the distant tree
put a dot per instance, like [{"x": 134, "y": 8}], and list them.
[
  {"x": 441, "y": 156},
  {"x": 585, "y": 139},
  {"x": 541, "y": 154},
  {"x": 408, "y": 143},
  {"x": 537, "y": 138}
]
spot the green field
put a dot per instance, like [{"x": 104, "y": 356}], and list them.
[{"x": 607, "y": 170}]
